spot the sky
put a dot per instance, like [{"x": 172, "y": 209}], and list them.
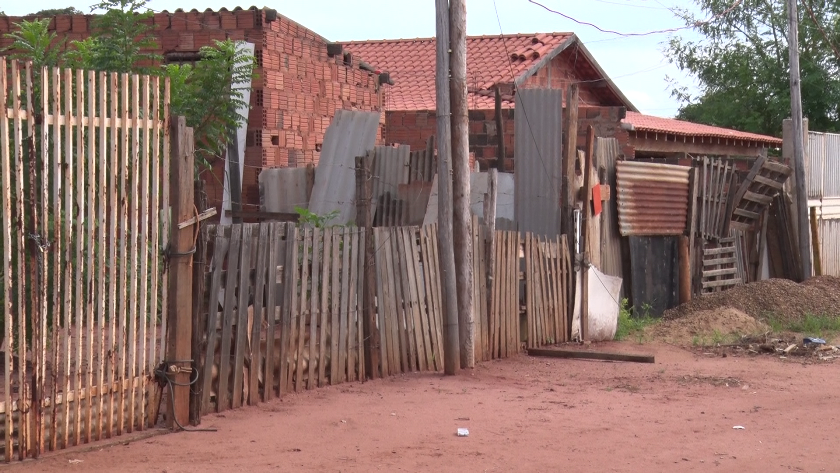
[{"x": 636, "y": 63}]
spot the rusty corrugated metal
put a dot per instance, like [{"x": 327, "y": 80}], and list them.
[
  {"x": 350, "y": 134},
  {"x": 538, "y": 153},
  {"x": 652, "y": 198},
  {"x": 823, "y": 165}
]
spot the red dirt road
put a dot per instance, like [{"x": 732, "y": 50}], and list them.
[{"x": 523, "y": 414}]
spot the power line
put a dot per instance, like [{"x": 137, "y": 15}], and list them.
[{"x": 647, "y": 33}]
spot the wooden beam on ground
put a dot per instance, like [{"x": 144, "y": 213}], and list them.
[{"x": 590, "y": 355}]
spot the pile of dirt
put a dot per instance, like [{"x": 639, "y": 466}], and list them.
[
  {"x": 779, "y": 298},
  {"x": 705, "y": 327}
]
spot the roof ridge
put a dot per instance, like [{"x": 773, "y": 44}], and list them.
[{"x": 494, "y": 36}]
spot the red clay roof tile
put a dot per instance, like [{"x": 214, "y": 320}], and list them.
[
  {"x": 411, "y": 63},
  {"x": 682, "y": 128}
]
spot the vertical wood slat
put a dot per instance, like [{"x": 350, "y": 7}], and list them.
[
  {"x": 124, "y": 311},
  {"x": 399, "y": 299},
  {"x": 223, "y": 391},
  {"x": 113, "y": 270},
  {"x": 66, "y": 334},
  {"x": 5, "y": 170},
  {"x": 40, "y": 354},
  {"x": 334, "y": 307},
  {"x": 91, "y": 239},
  {"x": 77, "y": 321},
  {"x": 381, "y": 307},
  {"x": 422, "y": 299},
  {"x": 412, "y": 296},
  {"x": 324, "y": 310},
  {"x": 361, "y": 302},
  {"x": 386, "y": 306},
  {"x": 222, "y": 236},
  {"x": 164, "y": 206},
  {"x": 352, "y": 310},
  {"x": 19, "y": 242},
  {"x": 242, "y": 313},
  {"x": 276, "y": 232},
  {"x": 144, "y": 159},
  {"x": 301, "y": 312},
  {"x": 260, "y": 283},
  {"x": 134, "y": 209},
  {"x": 344, "y": 307},
  {"x": 431, "y": 281},
  {"x": 157, "y": 128},
  {"x": 314, "y": 301},
  {"x": 289, "y": 311}
]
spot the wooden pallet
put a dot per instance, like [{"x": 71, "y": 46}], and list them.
[
  {"x": 720, "y": 265},
  {"x": 765, "y": 180}
]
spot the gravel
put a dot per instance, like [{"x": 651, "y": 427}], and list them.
[{"x": 780, "y": 298}]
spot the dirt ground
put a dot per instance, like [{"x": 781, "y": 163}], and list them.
[{"x": 523, "y": 414}]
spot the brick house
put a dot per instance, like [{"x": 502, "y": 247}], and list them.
[
  {"x": 299, "y": 87},
  {"x": 552, "y": 60}
]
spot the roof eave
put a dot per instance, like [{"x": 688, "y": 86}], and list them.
[{"x": 573, "y": 39}]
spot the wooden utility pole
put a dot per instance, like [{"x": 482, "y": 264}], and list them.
[
  {"x": 179, "y": 310},
  {"x": 446, "y": 252},
  {"x": 798, "y": 141},
  {"x": 364, "y": 218},
  {"x": 490, "y": 199},
  {"x": 570, "y": 155},
  {"x": 500, "y": 131},
  {"x": 685, "y": 269},
  {"x": 462, "y": 220},
  {"x": 584, "y": 234}
]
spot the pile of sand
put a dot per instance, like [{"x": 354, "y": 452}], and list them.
[
  {"x": 706, "y": 327},
  {"x": 778, "y": 298}
]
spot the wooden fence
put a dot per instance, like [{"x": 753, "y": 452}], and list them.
[
  {"x": 84, "y": 163},
  {"x": 301, "y": 296}
]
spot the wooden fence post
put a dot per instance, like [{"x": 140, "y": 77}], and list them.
[
  {"x": 364, "y": 191},
  {"x": 179, "y": 336}
]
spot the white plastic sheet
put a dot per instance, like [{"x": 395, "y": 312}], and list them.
[{"x": 603, "y": 306}]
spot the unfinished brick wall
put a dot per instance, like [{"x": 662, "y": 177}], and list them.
[{"x": 295, "y": 95}]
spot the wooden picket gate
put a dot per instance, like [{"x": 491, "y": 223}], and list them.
[
  {"x": 84, "y": 163},
  {"x": 547, "y": 277}
]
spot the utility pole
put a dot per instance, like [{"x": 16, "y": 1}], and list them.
[
  {"x": 446, "y": 252},
  {"x": 798, "y": 141},
  {"x": 462, "y": 220}
]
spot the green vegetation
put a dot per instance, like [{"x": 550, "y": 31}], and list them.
[
  {"x": 58, "y": 11},
  {"x": 633, "y": 325},
  {"x": 308, "y": 217},
  {"x": 741, "y": 61},
  {"x": 810, "y": 325}
]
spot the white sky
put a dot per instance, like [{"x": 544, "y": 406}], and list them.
[{"x": 636, "y": 64}]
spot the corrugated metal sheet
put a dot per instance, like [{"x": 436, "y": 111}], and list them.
[
  {"x": 538, "y": 153},
  {"x": 390, "y": 169},
  {"x": 823, "y": 165},
  {"x": 350, "y": 134},
  {"x": 830, "y": 246},
  {"x": 283, "y": 189},
  {"x": 652, "y": 198},
  {"x": 607, "y": 151},
  {"x": 478, "y": 187}
]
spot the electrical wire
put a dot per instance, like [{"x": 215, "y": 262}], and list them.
[
  {"x": 646, "y": 33},
  {"x": 162, "y": 374}
]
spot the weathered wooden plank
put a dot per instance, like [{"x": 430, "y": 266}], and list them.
[
  {"x": 403, "y": 308},
  {"x": 747, "y": 214},
  {"x": 433, "y": 262},
  {"x": 414, "y": 290},
  {"x": 222, "y": 236},
  {"x": 381, "y": 307},
  {"x": 234, "y": 253},
  {"x": 239, "y": 336},
  {"x": 344, "y": 314},
  {"x": 758, "y": 198},
  {"x": 314, "y": 301},
  {"x": 504, "y": 303},
  {"x": 335, "y": 288},
  {"x": 69, "y": 265},
  {"x": 273, "y": 302},
  {"x": 721, "y": 283},
  {"x": 362, "y": 302},
  {"x": 718, "y": 251},
  {"x": 719, "y": 261},
  {"x": 768, "y": 182},
  {"x": 302, "y": 315},
  {"x": 288, "y": 334},
  {"x": 590, "y": 355},
  {"x": 324, "y": 311},
  {"x": 719, "y": 272},
  {"x": 113, "y": 268},
  {"x": 779, "y": 168},
  {"x": 517, "y": 336},
  {"x": 397, "y": 330},
  {"x": 352, "y": 311},
  {"x": 255, "y": 354},
  {"x": 5, "y": 176},
  {"x": 144, "y": 159}
]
